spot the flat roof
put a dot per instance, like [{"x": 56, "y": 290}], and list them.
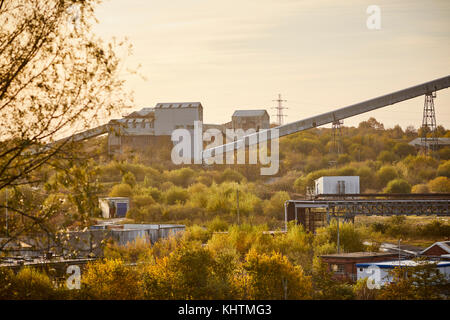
[{"x": 355, "y": 255}]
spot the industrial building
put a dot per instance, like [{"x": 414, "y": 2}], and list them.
[
  {"x": 343, "y": 265},
  {"x": 250, "y": 119},
  {"x": 149, "y": 127},
  {"x": 366, "y": 270},
  {"x": 336, "y": 185},
  {"x": 114, "y": 207}
]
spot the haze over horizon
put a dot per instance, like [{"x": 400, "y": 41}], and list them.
[{"x": 318, "y": 54}]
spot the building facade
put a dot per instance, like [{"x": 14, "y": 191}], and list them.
[{"x": 250, "y": 119}]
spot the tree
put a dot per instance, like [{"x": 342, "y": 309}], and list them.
[
  {"x": 111, "y": 279},
  {"x": 55, "y": 75},
  {"x": 387, "y": 156},
  {"x": 404, "y": 149},
  {"x": 272, "y": 276},
  {"x": 275, "y": 206},
  {"x": 325, "y": 287},
  {"x": 372, "y": 123}
]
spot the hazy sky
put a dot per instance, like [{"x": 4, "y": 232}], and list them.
[{"x": 319, "y": 54}]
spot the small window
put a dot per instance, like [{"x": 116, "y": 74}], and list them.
[{"x": 338, "y": 268}]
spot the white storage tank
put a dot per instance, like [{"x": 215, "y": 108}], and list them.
[{"x": 336, "y": 185}]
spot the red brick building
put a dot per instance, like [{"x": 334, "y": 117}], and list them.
[
  {"x": 437, "y": 250},
  {"x": 343, "y": 265}
]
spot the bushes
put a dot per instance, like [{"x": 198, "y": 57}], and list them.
[
  {"x": 181, "y": 177},
  {"x": 27, "y": 284},
  {"x": 349, "y": 237},
  {"x": 121, "y": 190},
  {"x": 440, "y": 184},
  {"x": 444, "y": 169},
  {"x": 176, "y": 195},
  {"x": 398, "y": 186},
  {"x": 386, "y": 174},
  {"x": 230, "y": 176},
  {"x": 434, "y": 229},
  {"x": 129, "y": 178},
  {"x": 399, "y": 227},
  {"x": 275, "y": 206},
  {"x": 420, "y": 188},
  {"x": 387, "y": 156}
]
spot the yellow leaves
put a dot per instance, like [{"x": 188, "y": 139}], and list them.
[
  {"x": 272, "y": 276},
  {"x": 111, "y": 279}
]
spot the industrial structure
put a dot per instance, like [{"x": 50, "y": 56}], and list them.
[
  {"x": 428, "y": 130},
  {"x": 336, "y": 185},
  {"x": 250, "y": 119},
  {"x": 114, "y": 207},
  {"x": 366, "y": 270},
  {"x": 426, "y": 88},
  {"x": 149, "y": 127},
  {"x": 280, "y": 115}
]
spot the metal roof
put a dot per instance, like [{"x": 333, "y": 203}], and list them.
[
  {"x": 178, "y": 105},
  {"x": 440, "y": 142},
  {"x": 445, "y": 245},
  {"x": 249, "y": 113},
  {"x": 141, "y": 113},
  {"x": 356, "y": 255},
  {"x": 401, "y": 263}
]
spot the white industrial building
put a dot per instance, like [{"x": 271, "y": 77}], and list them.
[
  {"x": 379, "y": 271},
  {"x": 171, "y": 116},
  {"x": 151, "y": 127},
  {"x": 336, "y": 185},
  {"x": 114, "y": 207}
]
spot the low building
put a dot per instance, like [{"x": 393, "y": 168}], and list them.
[
  {"x": 336, "y": 185},
  {"x": 250, "y": 119},
  {"x": 379, "y": 271},
  {"x": 114, "y": 207},
  {"x": 343, "y": 265},
  {"x": 437, "y": 250}
]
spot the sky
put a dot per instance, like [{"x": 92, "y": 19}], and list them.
[{"x": 319, "y": 54}]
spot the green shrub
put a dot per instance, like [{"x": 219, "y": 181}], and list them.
[
  {"x": 121, "y": 190},
  {"x": 398, "y": 186},
  {"x": 440, "y": 184},
  {"x": 176, "y": 195}
]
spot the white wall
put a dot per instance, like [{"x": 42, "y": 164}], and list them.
[
  {"x": 329, "y": 185},
  {"x": 166, "y": 119}
]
